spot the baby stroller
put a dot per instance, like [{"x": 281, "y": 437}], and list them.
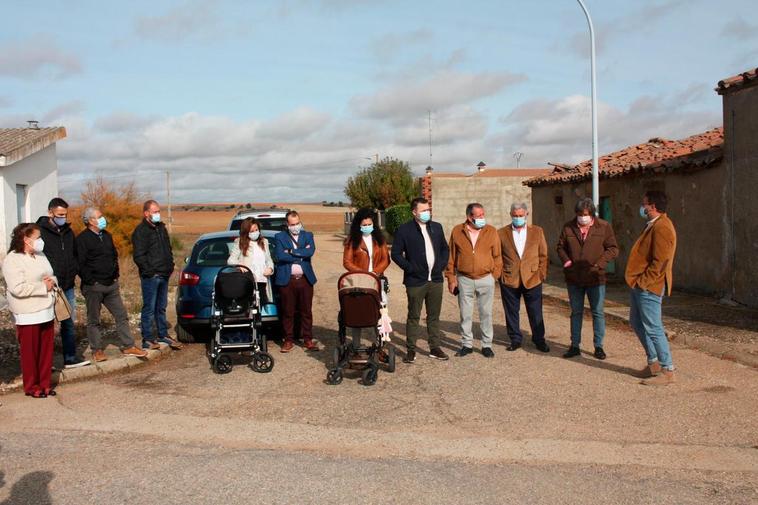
[
  {"x": 362, "y": 298},
  {"x": 236, "y": 321}
]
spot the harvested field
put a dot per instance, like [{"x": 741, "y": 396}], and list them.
[{"x": 315, "y": 217}]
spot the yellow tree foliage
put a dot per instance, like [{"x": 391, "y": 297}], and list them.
[{"x": 121, "y": 206}]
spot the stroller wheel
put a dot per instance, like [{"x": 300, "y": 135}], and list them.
[
  {"x": 263, "y": 362},
  {"x": 222, "y": 364},
  {"x": 390, "y": 365},
  {"x": 334, "y": 377},
  {"x": 336, "y": 356},
  {"x": 369, "y": 375}
]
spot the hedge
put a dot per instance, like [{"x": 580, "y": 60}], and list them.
[{"x": 397, "y": 215}]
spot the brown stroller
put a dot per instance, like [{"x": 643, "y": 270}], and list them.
[{"x": 362, "y": 297}]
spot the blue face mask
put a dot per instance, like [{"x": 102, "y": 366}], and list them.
[
  {"x": 59, "y": 221},
  {"x": 367, "y": 230},
  {"x": 155, "y": 218},
  {"x": 425, "y": 216},
  {"x": 518, "y": 222},
  {"x": 101, "y": 223},
  {"x": 480, "y": 222},
  {"x": 643, "y": 212}
]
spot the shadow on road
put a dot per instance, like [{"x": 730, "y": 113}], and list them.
[{"x": 31, "y": 488}]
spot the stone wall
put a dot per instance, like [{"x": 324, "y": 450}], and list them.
[
  {"x": 741, "y": 158},
  {"x": 697, "y": 206}
]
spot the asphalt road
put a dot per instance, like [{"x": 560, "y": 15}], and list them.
[{"x": 523, "y": 427}]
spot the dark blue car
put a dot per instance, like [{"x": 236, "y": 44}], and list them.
[{"x": 193, "y": 298}]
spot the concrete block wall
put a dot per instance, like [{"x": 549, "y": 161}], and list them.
[{"x": 450, "y": 195}]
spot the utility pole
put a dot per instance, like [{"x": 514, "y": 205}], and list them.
[
  {"x": 430, "y": 137},
  {"x": 517, "y": 156},
  {"x": 376, "y": 157},
  {"x": 168, "y": 199}
]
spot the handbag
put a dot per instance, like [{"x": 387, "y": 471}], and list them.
[{"x": 62, "y": 308}]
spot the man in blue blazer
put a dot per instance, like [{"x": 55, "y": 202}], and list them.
[{"x": 295, "y": 278}]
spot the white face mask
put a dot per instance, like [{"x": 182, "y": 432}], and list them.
[
  {"x": 583, "y": 220},
  {"x": 254, "y": 235},
  {"x": 39, "y": 245},
  {"x": 295, "y": 229}
]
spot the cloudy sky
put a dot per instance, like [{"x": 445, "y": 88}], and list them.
[{"x": 284, "y": 99}]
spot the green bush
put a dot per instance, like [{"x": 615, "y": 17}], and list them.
[{"x": 397, "y": 215}]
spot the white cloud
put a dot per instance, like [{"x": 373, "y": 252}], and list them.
[
  {"x": 38, "y": 57},
  {"x": 560, "y": 130},
  {"x": 443, "y": 90},
  {"x": 194, "y": 19},
  {"x": 739, "y": 29}
]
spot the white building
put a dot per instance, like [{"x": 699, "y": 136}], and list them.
[{"x": 28, "y": 176}]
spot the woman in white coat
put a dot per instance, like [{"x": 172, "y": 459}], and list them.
[
  {"x": 251, "y": 250},
  {"x": 29, "y": 283}
]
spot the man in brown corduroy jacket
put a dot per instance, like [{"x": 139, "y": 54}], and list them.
[
  {"x": 649, "y": 275},
  {"x": 525, "y": 264},
  {"x": 474, "y": 264}
]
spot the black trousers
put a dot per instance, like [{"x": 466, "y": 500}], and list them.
[{"x": 533, "y": 302}]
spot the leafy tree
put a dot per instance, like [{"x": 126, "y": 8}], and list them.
[
  {"x": 121, "y": 206},
  {"x": 383, "y": 184}
]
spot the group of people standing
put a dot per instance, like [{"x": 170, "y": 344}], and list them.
[
  {"x": 476, "y": 257},
  {"x": 45, "y": 257}
]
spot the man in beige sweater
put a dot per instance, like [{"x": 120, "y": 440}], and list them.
[{"x": 474, "y": 264}]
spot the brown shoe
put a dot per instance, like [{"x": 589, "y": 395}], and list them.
[
  {"x": 99, "y": 356},
  {"x": 652, "y": 370},
  {"x": 665, "y": 378},
  {"x": 133, "y": 351},
  {"x": 287, "y": 346},
  {"x": 152, "y": 345},
  {"x": 310, "y": 345},
  {"x": 174, "y": 344}
]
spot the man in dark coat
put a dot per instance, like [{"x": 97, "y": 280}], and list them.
[
  {"x": 155, "y": 260},
  {"x": 420, "y": 249},
  {"x": 60, "y": 251}
]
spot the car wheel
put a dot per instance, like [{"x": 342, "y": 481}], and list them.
[{"x": 182, "y": 335}]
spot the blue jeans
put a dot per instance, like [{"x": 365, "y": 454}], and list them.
[
  {"x": 154, "y": 301},
  {"x": 68, "y": 336},
  {"x": 647, "y": 321},
  {"x": 596, "y": 296}
]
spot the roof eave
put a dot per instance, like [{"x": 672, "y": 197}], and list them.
[{"x": 32, "y": 147}]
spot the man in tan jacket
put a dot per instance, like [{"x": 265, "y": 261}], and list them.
[
  {"x": 649, "y": 275},
  {"x": 473, "y": 266},
  {"x": 524, "y": 269}
]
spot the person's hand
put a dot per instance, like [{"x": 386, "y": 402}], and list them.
[
  {"x": 268, "y": 271},
  {"x": 49, "y": 283},
  {"x": 451, "y": 285}
]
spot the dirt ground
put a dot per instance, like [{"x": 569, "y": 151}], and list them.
[{"x": 694, "y": 442}]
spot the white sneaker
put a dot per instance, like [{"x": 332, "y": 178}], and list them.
[{"x": 78, "y": 363}]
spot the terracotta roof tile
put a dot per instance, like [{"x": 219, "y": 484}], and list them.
[
  {"x": 749, "y": 78},
  {"x": 497, "y": 172},
  {"x": 656, "y": 155},
  {"x": 18, "y": 143}
]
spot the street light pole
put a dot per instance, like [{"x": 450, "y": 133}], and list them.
[{"x": 595, "y": 169}]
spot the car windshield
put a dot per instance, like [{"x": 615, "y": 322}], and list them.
[
  {"x": 267, "y": 223},
  {"x": 213, "y": 252}
]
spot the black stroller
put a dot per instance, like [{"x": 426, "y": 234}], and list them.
[
  {"x": 362, "y": 298},
  {"x": 236, "y": 321}
]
